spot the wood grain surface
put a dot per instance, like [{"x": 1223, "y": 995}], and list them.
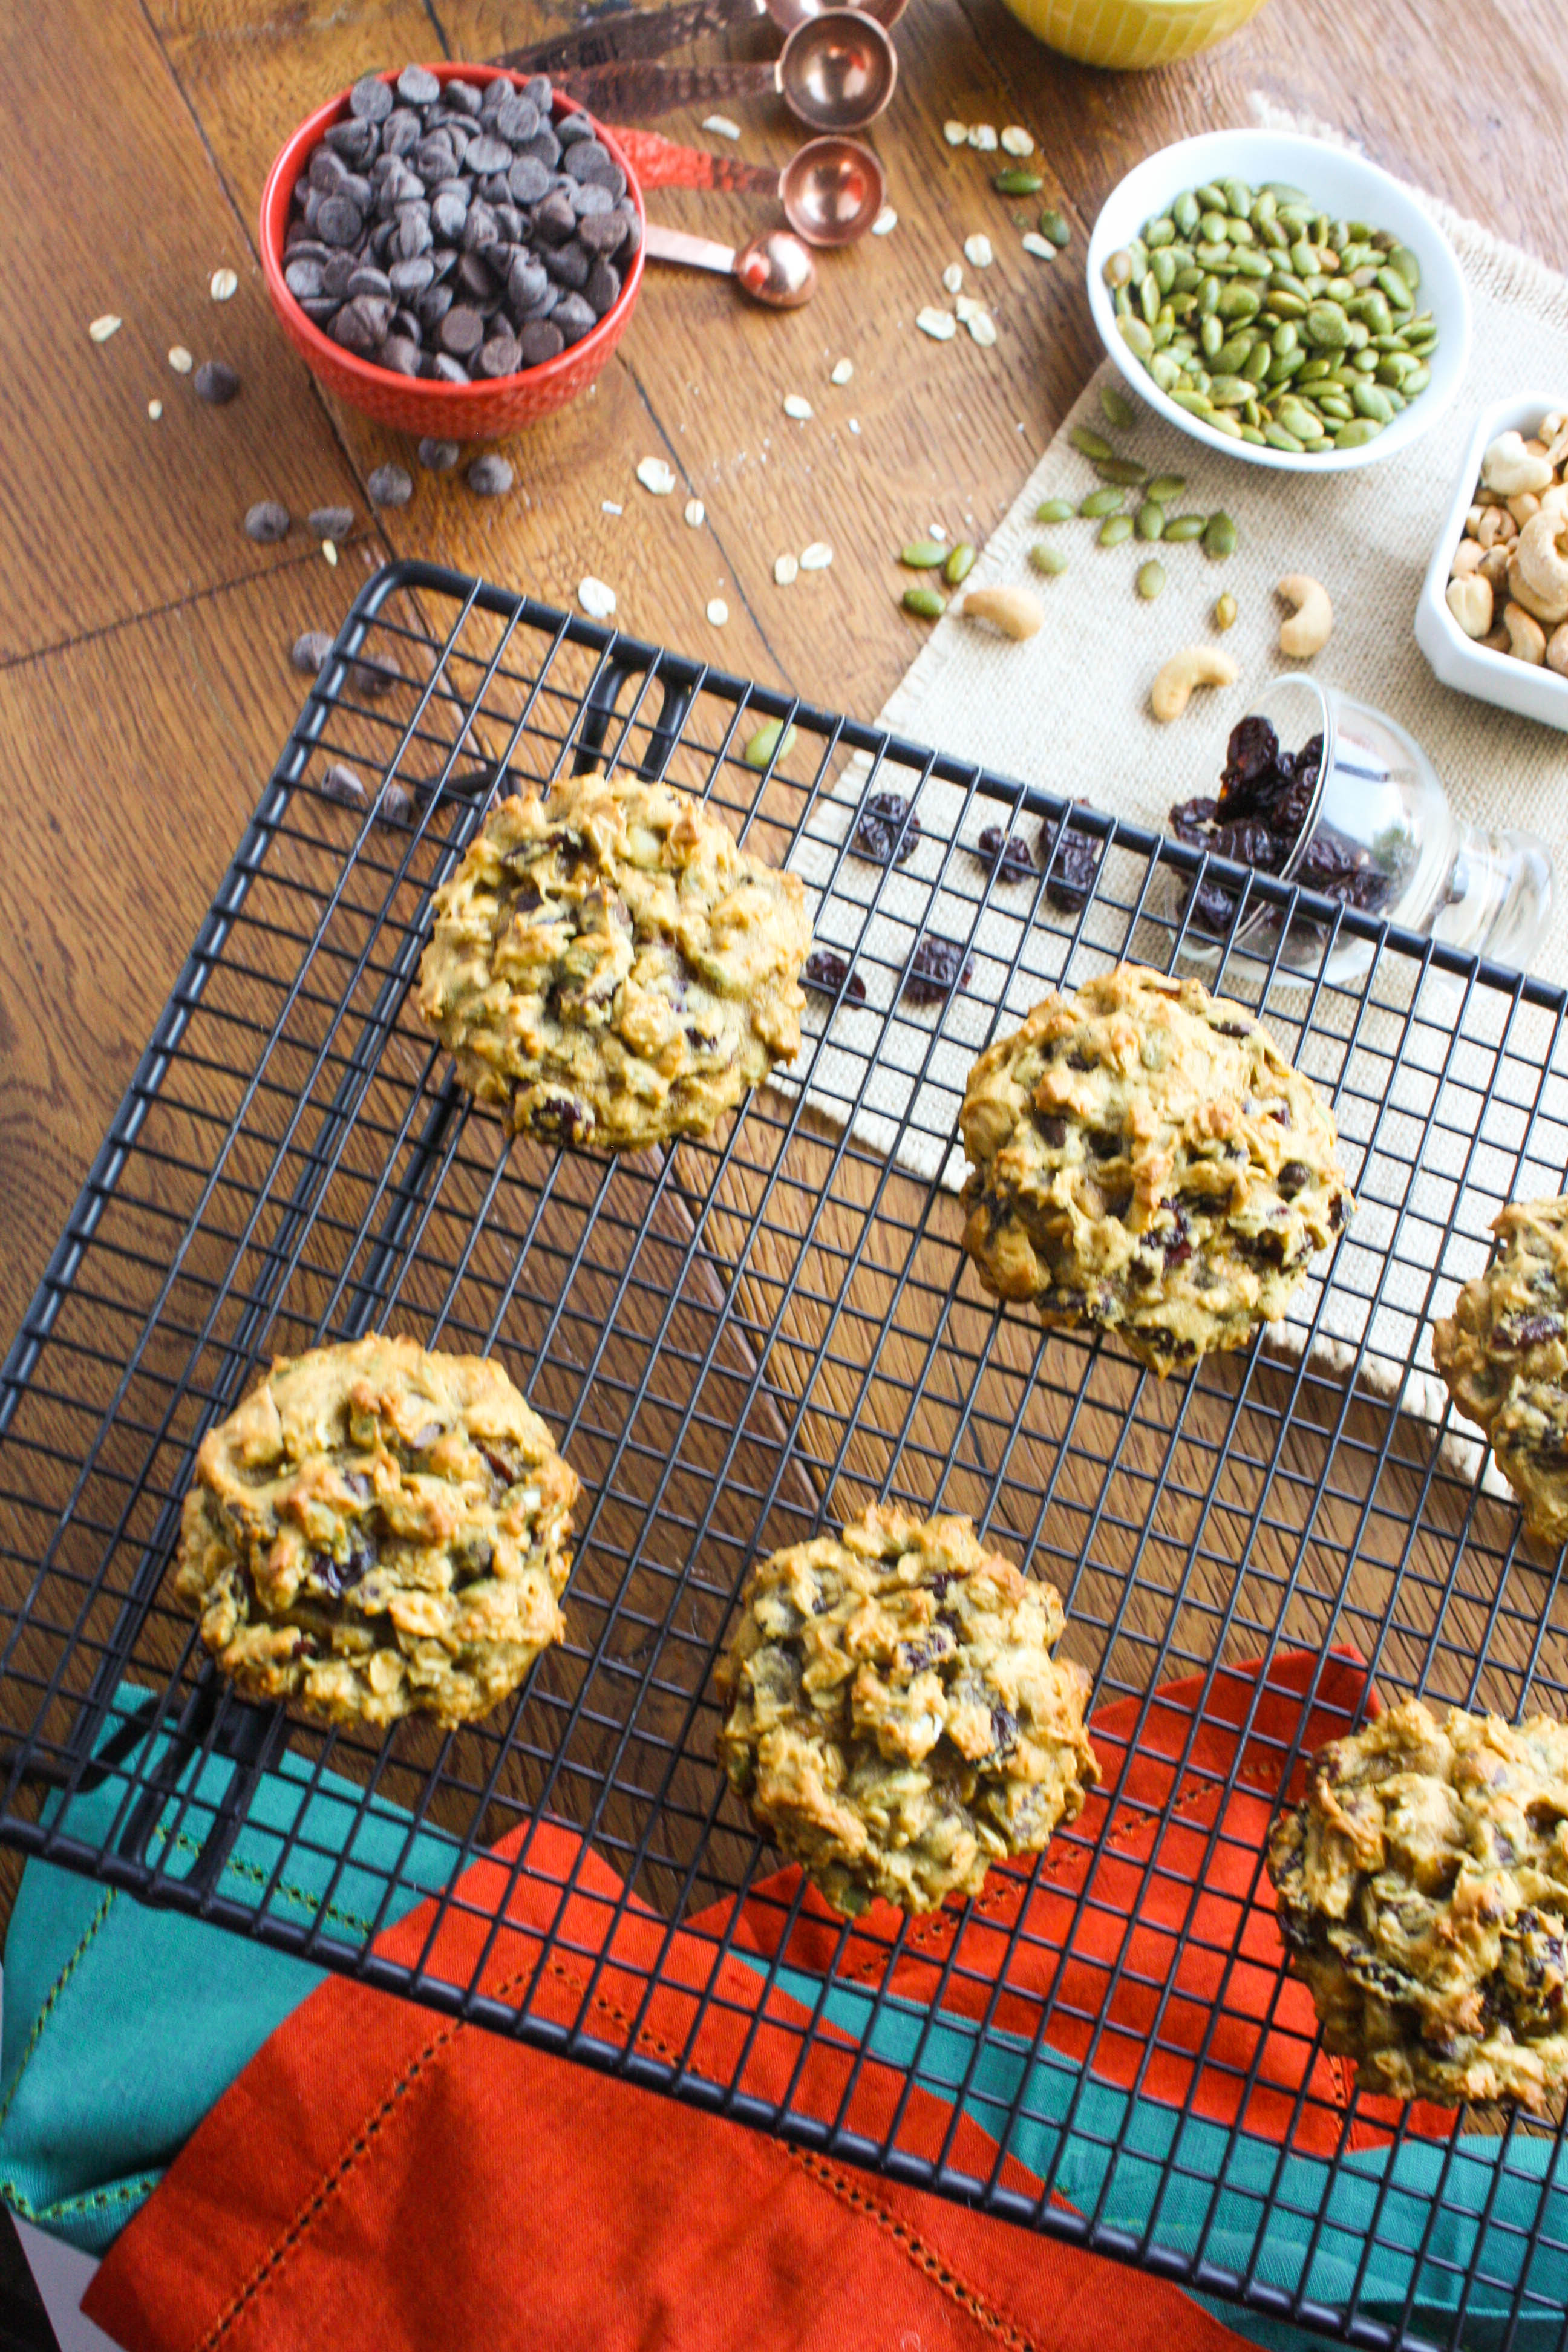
[{"x": 145, "y": 687}]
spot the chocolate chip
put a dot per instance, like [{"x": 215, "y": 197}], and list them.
[
  {"x": 515, "y": 120},
  {"x": 401, "y": 133},
  {"x": 431, "y": 306},
  {"x": 312, "y": 651},
  {"x": 355, "y": 141},
  {"x": 568, "y": 263},
  {"x": 444, "y": 369},
  {"x": 216, "y": 382},
  {"x": 408, "y": 278},
  {"x": 573, "y": 318},
  {"x": 500, "y": 355},
  {"x": 341, "y": 784},
  {"x": 339, "y": 221},
  {"x": 267, "y": 522},
  {"x": 526, "y": 282},
  {"x": 303, "y": 279},
  {"x": 389, "y": 485},
  {"x": 573, "y": 128},
  {"x": 371, "y": 100},
  {"x": 490, "y": 476},
  {"x": 368, "y": 279},
  {"x": 336, "y": 271},
  {"x": 477, "y": 279},
  {"x": 417, "y": 86},
  {"x": 438, "y": 456},
  {"x": 603, "y": 290},
  {"x": 330, "y": 522},
  {"x": 601, "y": 233},
  {"x": 486, "y": 153},
  {"x": 463, "y": 96},
  {"x": 397, "y": 804},
  {"x": 400, "y": 353},
  {"x": 461, "y": 332},
  {"x": 540, "y": 341}
]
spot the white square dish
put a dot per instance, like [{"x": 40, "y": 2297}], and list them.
[{"x": 1456, "y": 659}]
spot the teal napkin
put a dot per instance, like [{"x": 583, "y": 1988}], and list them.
[{"x": 125, "y": 2024}]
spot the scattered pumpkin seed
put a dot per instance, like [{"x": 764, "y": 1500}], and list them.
[
  {"x": 982, "y": 139},
  {"x": 1151, "y": 581},
  {"x": 1119, "y": 410},
  {"x": 102, "y": 328},
  {"x": 718, "y": 611},
  {"x": 1018, "y": 184},
  {"x": 1054, "y": 510},
  {"x": 1054, "y": 224},
  {"x": 1126, "y": 471},
  {"x": 773, "y": 740},
  {"x": 800, "y": 409},
  {"x": 225, "y": 285},
  {"x": 655, "y": 477},
  {"x": 960, "y": 564},
  {"x": 886, "y": 222},
  {"x": 1220, "y": 536},
  {"x": 977, "y": 250},
  {"x": 785, "y": 568},
  {"x": 1150, "y": 519},
  {"x": 981, "y": 327},
  {"x": 1115, "y": 529},
  {"x": 842, "y": 371},
  {"x": 1090, "y": 443},
  {"x": 696, "y": 513},
  {"x": 1225, "y": 611},
  {"x": 953, "y": 276},
  {"x": 721, "y": 126},
  {"x": 922, "y": 554},
  {"x": 180, "y": 360},
  {"x": 1107, "y": 501},
  {"x": 1015, "y": 140},
  {"x": 926, "y": 603},
  {"x": 597, "y": 600},
  {"x": 817, "y": 557},
  {"x": 1187, "y": 526},
  {"x": 1164, "y": 488},
  {"x": 955, "y": 133},
  {"x": 940, "y": 325},
  {"x": 1049, "y": 559},
  {"x": 1039, "y": 247}
]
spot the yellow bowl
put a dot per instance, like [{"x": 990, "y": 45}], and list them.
[{"x": 1128, "y": 34}]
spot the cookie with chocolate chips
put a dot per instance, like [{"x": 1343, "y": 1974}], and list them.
[
  {"x": 609, "y": 968},
  {"x": 378, "y": 1531},
  {"x": 1504, "y": 1354},
  {"x": 1423, "y": 1898},
  {"x": 1145, "y": 1159},
  {"x": 896, "y": 1721}
]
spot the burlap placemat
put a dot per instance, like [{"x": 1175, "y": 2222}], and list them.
[{"x": 1435, "y": 1150}]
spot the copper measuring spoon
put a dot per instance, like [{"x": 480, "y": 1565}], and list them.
[
  {"x": 775, "y": 269},
  {"x": 651, "y": 32},
  {"x": 835, "y": 72},
  {"x": 831, "y": 189}
]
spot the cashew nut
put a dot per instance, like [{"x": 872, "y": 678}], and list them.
[
  {"x": 1469, "y": 556},
  {"x": 1520, "y": 589},
  {"x": 1557, "y": 649},
  {"x": 1544, "y": 563},
  {"x": 1470, "y": 602},
  {"x": 1522, "y": 505},
  {"x": 1493, "y": 569},
  {"x": 1526, "y": 637},
  {"x": 1496, "y": 640},
  {"x": 1015, "y": 613},
  {"x": 1473, "y": 519},
  {"x": 1555, "y": 501},
  {"x": 1306, "y": 632},
  {"x": 1495, "y": 524},
  {"x": 1197, "y": 666},
  {"x": 1554, "y": 432},
  {"x": 1509, "y": 467}
]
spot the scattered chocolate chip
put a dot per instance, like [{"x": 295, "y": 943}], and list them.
[
  {"x": 267, "y": 522},
  {"x": 216, "y": 382},
  {"x": 886, "y": 831},
  {"x": 1071, "y": 867},
  {"x": 937, "y": 967},
  {"x": 490, "y": 476},
  {"x": 389, "y": 485},
  {"x": 330, "y": 522},
  {"x": 438, "y": 456},
  {"x": 831, "y": 972},
  {"x": 341, "y": 784},
  {"x": 312, "y": 651},
  {"x": 397, "y": 804}
]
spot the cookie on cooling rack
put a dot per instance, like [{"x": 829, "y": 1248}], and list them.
[
  {"x": 1145, "y": 1159},
  {"x": 1504, "y": 1354},
  {"x": 1423, "y": 1897},
  {"x": 896, "y": 1721},
  {"x": 609, "y": 968},
  {"x": 378, "y": 1531}
]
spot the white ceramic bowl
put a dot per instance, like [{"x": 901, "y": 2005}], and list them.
[
  {"x": 1456, "y": 659},
  {"x": 1346, "y": 187}
]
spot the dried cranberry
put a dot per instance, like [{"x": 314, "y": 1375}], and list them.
[
  {"x": 1308, "y": 761},
  {"x": 1003, "y": 1730},
  {"x": 1329, "y": 859},
  {"x": 1253, "y": 749},
  {"x": 1337, "y": 1214},
  {"x": 1053, "y": 1129},
  {"x": 1230, "y": 1028},
  {"x": 1293, "y": 1178},
  {"x": 937, "y": 967},
  {"x": 1287, "y": 806},
  {"x": 831, "y": 972},
  {"x": 340, "y": 1576},
  {"x": 1190, "y": 822},
  {"x": 1214, "y": 909},
  {"x": 1369, "y": 889},
  {"x": 886, "y": 832},
  {"x": 1263, "y": 1249},
  {"x": 1006, "y": 853},
  {"x": 557, "y": 1116},
  {"x": 1248, "y": 843},
  {"x": 1177, "y": 1244},
  {"x": 1525, "y": 1330},
  {"x": 1071, "y": 866}
]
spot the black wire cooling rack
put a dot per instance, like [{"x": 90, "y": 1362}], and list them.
[{"x": 739, "y": 1341}]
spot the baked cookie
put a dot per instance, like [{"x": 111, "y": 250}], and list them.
[
  {"x": 378, "y": 1531},
  {"x": 1423, "y": 1890},
  {"x": 608, "y": 968},
  {"x": 1144, "y": 1158},
  {"x": 1504, "y": 1354},
  {"x": 896, "y": 1720}
]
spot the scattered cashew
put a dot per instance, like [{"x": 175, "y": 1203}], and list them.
[
  {"x": 1470, "y": 602},
  {"x": 1015, "y": 612},
  {"x": 1543, "y": 563},
  {"x": 1197, "y": 666},
  {"x": 1557, "y": 649},
  {"x": 1509, "y": 467},
  {"x": 1469, "y": 556},
  {"x": 1306, "y": 632},
  {"x": 1526, "y": 637}
]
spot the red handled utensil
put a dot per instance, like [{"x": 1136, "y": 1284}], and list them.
[
  {"x": 835, "y": 72},
  {"x": 831, "y": 189},
  {"x": 652, "y": 32}
]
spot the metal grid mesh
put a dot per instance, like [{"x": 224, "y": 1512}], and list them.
[{"x": 737, "y": 1342}]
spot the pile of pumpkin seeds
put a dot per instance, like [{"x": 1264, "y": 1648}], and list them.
[{"x": 1271, "y": 321}]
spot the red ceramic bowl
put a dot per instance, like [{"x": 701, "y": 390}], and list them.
[{"x": 448, "y": 412}]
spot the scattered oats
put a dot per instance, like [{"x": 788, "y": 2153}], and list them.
[
  {"x": 596, "y": 600},
  {"x": 886, "y": 222},
  {"x": 937, "y": 530},
  {"x": 330, "y": 551},
  {"x": 955, "y": 133},
  {"x": 854, "y": 425},
  {"x": 608, "y": 506},
  {"x": 817, "y": 557},
  {"x": 180, "y": 359},
  {"x": 225, "y": 285},
  {"x": 983, "y": 328},
  {"x": 655, "y": 476},
  {"x": 1040, "y": 246},
  {"x": 793, "y": 405},
  {"x": 1015, "y": 140},
  {"x": 967, "y": 307},
  {"x": 721, "y": 126},
  {"x": 102, "y": 328},
  {"x": 953, "y": 276},
  {"x": 785, "y": 568},
  {"x": 154, "y": 410},
  {"x": 696, "y": 513},
  {"x": 982, "y": 139},
  {"x": 718, "y": 611},
  {"x": 940, "y": 325},
  {"x": 842, "y": 371},
  {"x": 977, "y": 249}
]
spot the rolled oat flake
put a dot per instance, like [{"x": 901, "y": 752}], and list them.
[
  {"x": 1015, "y": 140},
  {"x": 180, "y": 359},
  {"x": 696, "y": 513},
  {"x": 940, "y": 325},
  {"x": 842, "y": 371},
  {"x": 800, "y": 409},
  {"x": 597, "y": 599},
  {"x": 655, "y": 477},
  {"x": 886, "y": 222},
  {"x": 102, "y": 328},
  {"x": 785, "y": 568},
  {"x": 953, "y": 276},
  {"x": 817, "y": 557},
  {"x": 977, "y": 250},
  {"x": 718, "y": 611},
  {"x": 225, "y": 285},
  {"x": 329, "y": 549}
]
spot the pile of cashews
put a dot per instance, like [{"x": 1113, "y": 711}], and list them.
[{"x": 1508, "y": 585}]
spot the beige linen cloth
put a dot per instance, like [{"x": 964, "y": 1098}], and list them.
[{"x": 1449, "y": 1103}]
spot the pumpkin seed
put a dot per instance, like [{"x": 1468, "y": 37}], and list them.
[
  {"x": 1114, "y": 530},
  {"x": 1054, "y": 510},
  {"x": 1150, "y": 519},
  {"x": 1118, "y": 267},
  {"x": 1219, "y": 537},
  {"x": 1225, "y": 611},
  {"x": 1049, "y": 559},
  {"x": 1136, "y": 336},
  {"x": 1127, "y": 472},
  {"x": 926, "y": 603},
  {"x": 1185, "y": 526},
  {"x": 1118, "y": 409},
  {"x": 1090, "y": 443},
  {"x": 1054, "y": 224},
  {"x": 1357, "y": 433},
  {"x": 1151, "y": 581},
  {"x": 773, "y": 740},
  {"x": 922, "y": 554},
  {"x": 1100, "y": 502},
  {"x": 1163, "y": 488},
  {"x": 960, "y": 564},
  {"x": 1018, "y": 184}
]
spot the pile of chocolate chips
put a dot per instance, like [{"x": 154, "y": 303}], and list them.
[
  {"x": 453, "y": 232},
  {"x": 1265, "y": 797}
]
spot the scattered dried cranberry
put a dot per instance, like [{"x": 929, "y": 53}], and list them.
[
  {"x": 1070, "y": 867},
  {"x": 1006, "y": 852},
  {"x": 1190, "y": 822},
  {"x": 886, "y": 832},
  {"x": 937, "y": 967},
  {"x": 831, "y": 972}
]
